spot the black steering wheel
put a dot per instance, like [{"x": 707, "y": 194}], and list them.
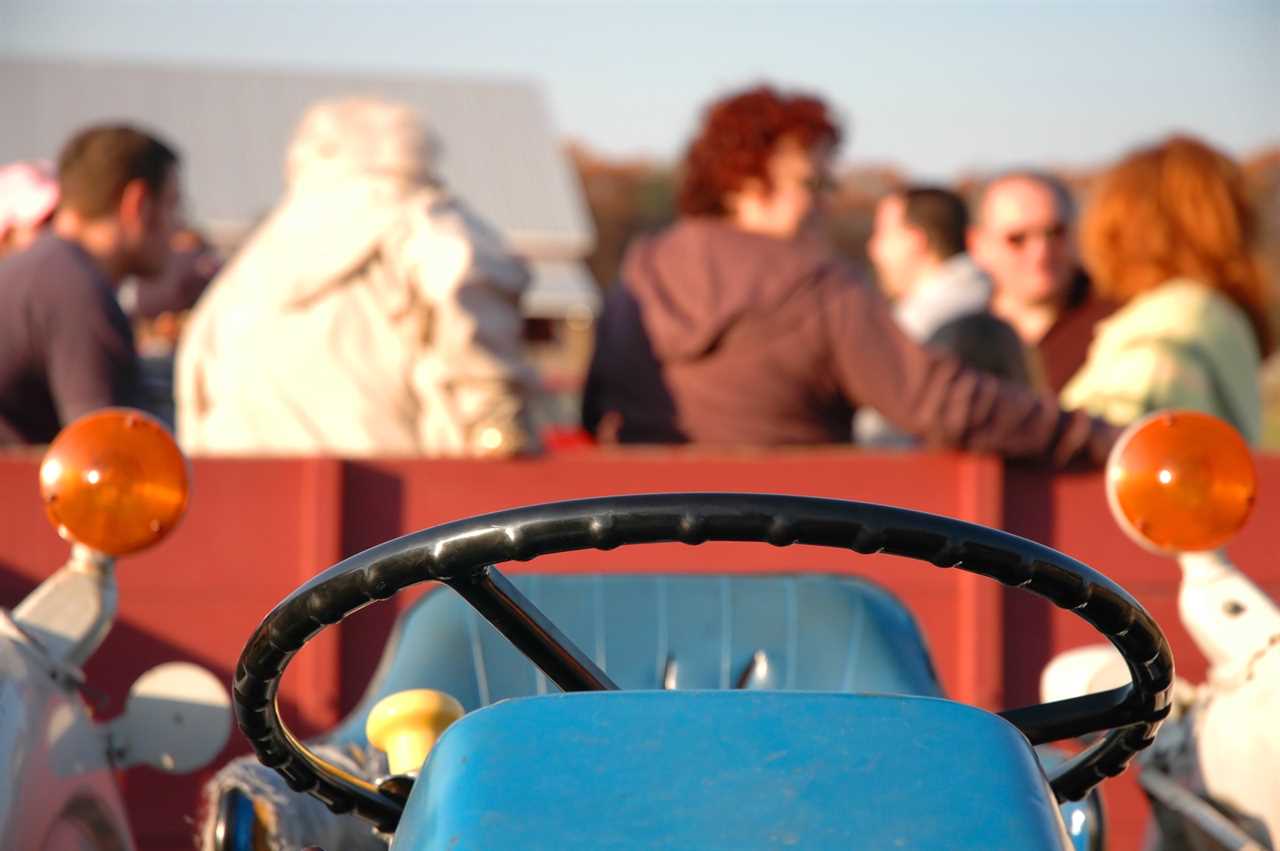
[{"x": 462, "y": 555}]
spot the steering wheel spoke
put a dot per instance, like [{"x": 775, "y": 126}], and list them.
[
  {"x": 526, "y": 627},
  {"x": 1077, "y": 716}
]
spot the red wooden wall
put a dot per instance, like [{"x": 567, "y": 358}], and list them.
[{"x": 257, "y": 528}]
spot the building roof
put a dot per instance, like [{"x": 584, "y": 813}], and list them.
[{"x": 499, "y": 150}]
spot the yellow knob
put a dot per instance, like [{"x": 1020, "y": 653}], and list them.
[{"x": 406, "y": 725}]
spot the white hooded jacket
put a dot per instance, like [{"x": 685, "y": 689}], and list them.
[
  {"x": 370, "y": 314},
  {"x": 1181, "y": 345}
]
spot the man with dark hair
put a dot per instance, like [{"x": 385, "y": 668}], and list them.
[
  {"x": 1022, "y": 236},
  {"x": 65, "y": 346},
  {"x": 940, "y": 215},
  {"x": 917, "y": 248},
  {"x": 940, "y": 297}
]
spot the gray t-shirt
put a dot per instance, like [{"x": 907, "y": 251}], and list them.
[{"x": 65, "y": 346}]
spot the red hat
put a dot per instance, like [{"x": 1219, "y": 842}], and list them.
[{"x": 28, "y": 194}]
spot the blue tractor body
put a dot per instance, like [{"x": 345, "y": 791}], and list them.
[{"x": 732, "y": 770}]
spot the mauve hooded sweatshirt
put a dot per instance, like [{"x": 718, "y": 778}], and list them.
[{"x": 719, "y": 336}]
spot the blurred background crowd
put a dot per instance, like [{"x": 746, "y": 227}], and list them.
[{"x": 392, "y": 266}]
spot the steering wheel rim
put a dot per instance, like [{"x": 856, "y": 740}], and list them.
[{"x": 461, "y": 555}]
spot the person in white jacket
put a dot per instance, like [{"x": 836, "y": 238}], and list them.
[
  {"x": 940, "y": 297},
  {"x": 370, "y": 314}
]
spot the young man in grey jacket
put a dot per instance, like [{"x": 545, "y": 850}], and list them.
[{"x": 940, "y": 297}]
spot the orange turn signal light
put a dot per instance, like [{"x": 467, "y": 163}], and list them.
[
  {"x": 115, "y": 481},
  {"x": 1181, "y": 481}
]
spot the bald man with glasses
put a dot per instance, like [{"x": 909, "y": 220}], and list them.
[{"x": 1022, "y": 235}]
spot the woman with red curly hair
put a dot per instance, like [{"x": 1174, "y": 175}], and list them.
[
  {"x": 762, "y": 160},
  {"x": 739, "y": 325},
  {"x": 1170, "y": 234}
]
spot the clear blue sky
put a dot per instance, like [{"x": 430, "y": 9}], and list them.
[{"x": 937, "y": 88}]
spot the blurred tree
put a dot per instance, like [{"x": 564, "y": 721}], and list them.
[{"x": 625, "y": 198}]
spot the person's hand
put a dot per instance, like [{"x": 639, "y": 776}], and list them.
[
  {"x": 161, "y": 332},
  {"x": 609, "y": 428}
]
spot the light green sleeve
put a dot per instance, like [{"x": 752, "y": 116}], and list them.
[{"x": 1143, "y": 376}]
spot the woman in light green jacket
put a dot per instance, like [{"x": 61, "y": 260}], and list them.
[{"x": 1170, "y": 234}]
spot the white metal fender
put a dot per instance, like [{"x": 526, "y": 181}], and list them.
[
  {"x": 177, "y": 719},
  {"x": 57, "y": 789}
]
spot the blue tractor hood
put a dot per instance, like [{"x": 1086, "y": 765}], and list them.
[{"x": 732, "y": 770}]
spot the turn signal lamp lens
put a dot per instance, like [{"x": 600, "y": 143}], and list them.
[
  {"x": 1181, "y": 481},
  {"x": 115, "y": 481}
]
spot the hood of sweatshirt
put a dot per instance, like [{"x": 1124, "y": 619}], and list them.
[{"x": 695, "y": 280}]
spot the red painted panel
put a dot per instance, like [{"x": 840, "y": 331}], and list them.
[{"x": 29, "y": 547}]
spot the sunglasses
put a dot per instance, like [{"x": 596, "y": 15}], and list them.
[
  {"x": 1017, "y": 239},
  {"x": 819, "y": 183}
]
